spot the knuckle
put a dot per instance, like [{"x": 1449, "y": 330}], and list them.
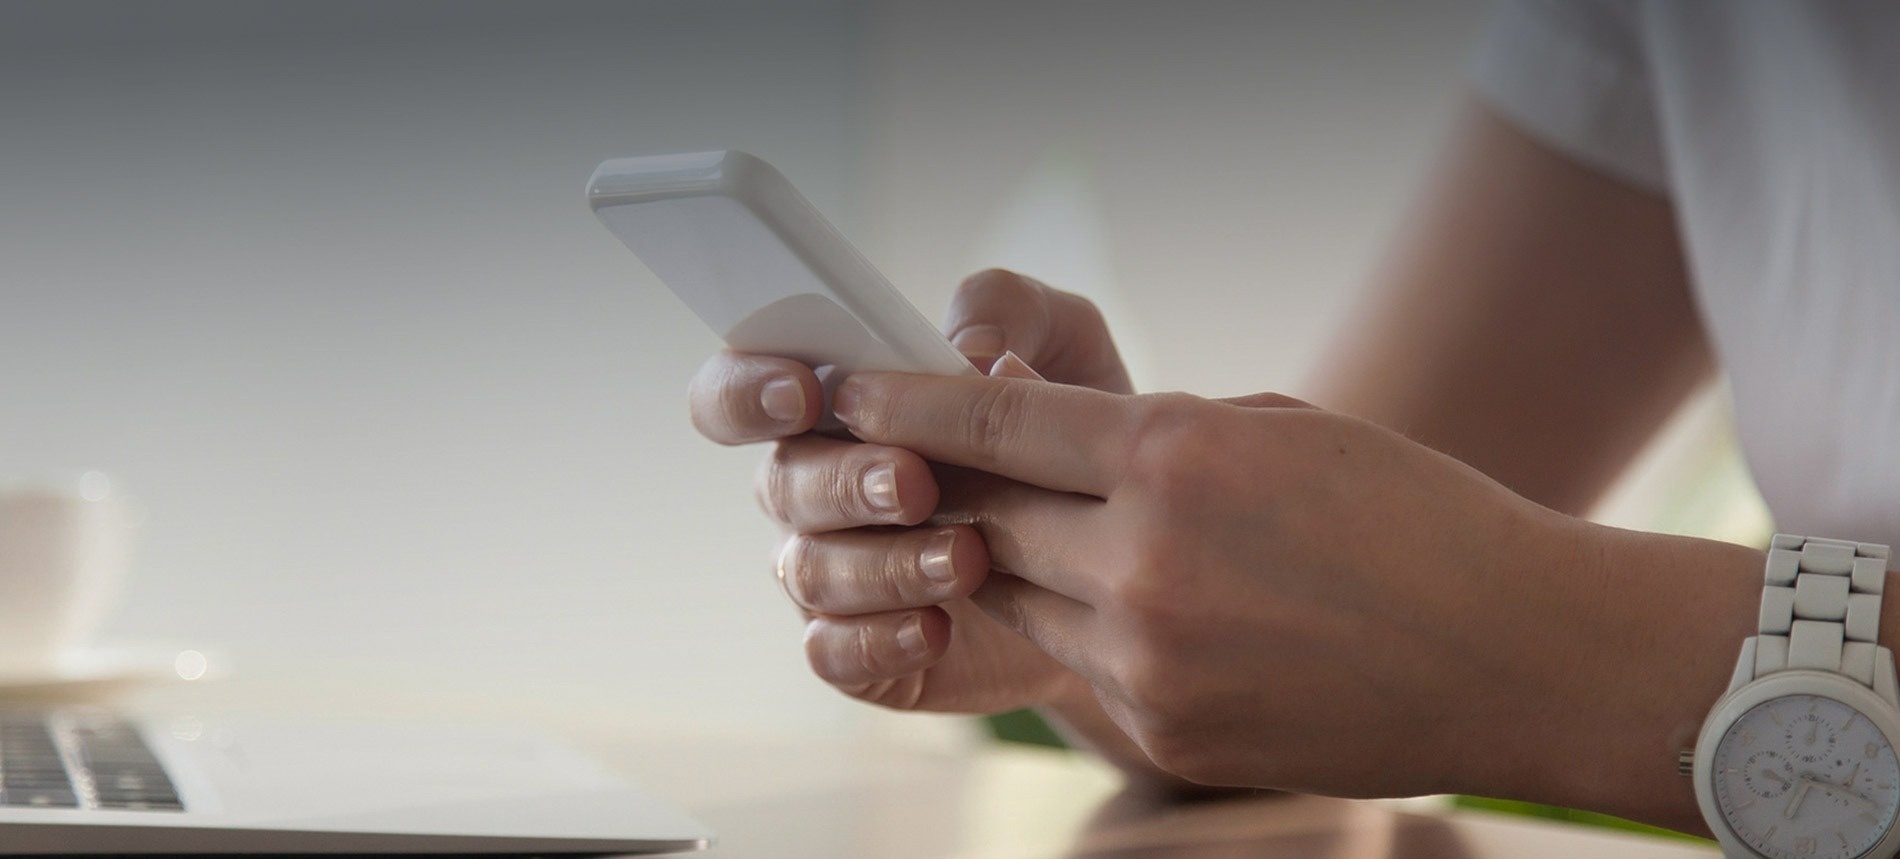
[
  {"x": 883, "y": 693},
  {"x": 1171, "y": 448},
  {"x": 1155, "y": 591},
  {"x": 1169, "y": 734},
  {"x": 1160, "y": 576},
  {"x": 1000, "y": 598},
  {"x": 872, "y": 661},
  {"x": 725, "y": 402},
  {"x": 840, "y": 494},
  {"x": 738, "y": 406},
  {"x": 1186, "y": 756},
  {"x": 994, "y": 421},
  {"x": 865, "y": 577},
  {"x": 1151, "y": 688},
  {"x": 1081, "y": 309},
  {"x": 1016, "y": 616},
  {"x": 995, "y": 294},
  {"x": 890, "y": 582},
  {"x": 1149, "y": 598},
  {"x": 1164, "y": 747},
  {"x": 821, "y": 492},
  {"x": 843, "y": 653},
  {"x": 876, "y": 403},
  {"x": 900, "y": 693},
  {"x": 1163, "y": 427}
]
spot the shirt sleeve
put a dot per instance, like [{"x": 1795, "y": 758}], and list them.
[{"x": 1572, "y": 73}]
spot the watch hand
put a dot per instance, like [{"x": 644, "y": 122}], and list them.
[
  {"x": 1812, "y": 727},
  {"x": 1849, "y": 781},
  {"x": 1852, "y": 798},
  {"x": 1775, "y": 775},
  {"x": 1807, "y": 784},
  {"x": 1794, "y": 805}
]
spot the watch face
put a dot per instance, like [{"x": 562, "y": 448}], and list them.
[{"x": 1806, "y": 776}]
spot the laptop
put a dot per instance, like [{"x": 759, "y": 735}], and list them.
[{"x": 77, "y": 781}]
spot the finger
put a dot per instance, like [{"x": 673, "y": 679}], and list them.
[
  {"x": 735, "y": 398},
  {"x": 1050, "y": 538},
  {"x": 863, "y": 572},
  {"x": 816, "y": 484},
  {"x": 853, "y": 652},
  {"x": 1055, "y": 436},
  {"x": 1055, "y": 624},
  {"x": 1063, "y": 334}
]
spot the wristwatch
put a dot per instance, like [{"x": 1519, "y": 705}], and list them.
[{"x": 1797, "y": 759}]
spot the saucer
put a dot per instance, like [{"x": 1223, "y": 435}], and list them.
[{"x": 108, "y": 665}]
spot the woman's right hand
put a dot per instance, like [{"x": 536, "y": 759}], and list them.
[{"x": 871, "y": 557}]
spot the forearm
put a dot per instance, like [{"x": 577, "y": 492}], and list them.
[{"x": 1534, "y": 321}]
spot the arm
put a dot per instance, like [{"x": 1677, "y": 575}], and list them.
[
  {"x": 1263, "y": 593},
  {"x": 1534, "y": 321},
  {"x": 1280, "y": 596}
]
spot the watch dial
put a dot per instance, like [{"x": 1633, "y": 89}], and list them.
[{"x": 1806, "y": 776}]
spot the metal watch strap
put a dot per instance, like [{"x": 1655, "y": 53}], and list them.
[{"x": 1820, "y": 607}]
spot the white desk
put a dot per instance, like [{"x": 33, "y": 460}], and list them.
[{"x": 788, "y": 798}]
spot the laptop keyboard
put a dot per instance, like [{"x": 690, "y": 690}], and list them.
[{"x": 81, "y": 760}]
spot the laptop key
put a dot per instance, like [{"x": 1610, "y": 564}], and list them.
[
  {"x": 39, "y": 798},
  {"x": 82, "y": 760}
]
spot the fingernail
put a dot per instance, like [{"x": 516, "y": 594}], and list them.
[
  {"x": 844, "y": 403},
  {"x": 979, "y": 342},
  {"x": 880, "y": 487},
  {"x": 936, "y": 560},
  {"x": 783, "y": 399},
  {"x": 910, "y": 636},
  {"x": 1012, "y": 366}
]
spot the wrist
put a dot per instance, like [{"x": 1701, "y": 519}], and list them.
[{"x": 1644, "y": 648}]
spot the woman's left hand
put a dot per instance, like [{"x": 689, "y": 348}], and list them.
[{"x": 1265, "y": 593}]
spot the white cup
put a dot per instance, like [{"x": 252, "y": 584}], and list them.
[{"x": 64, "y": 546}]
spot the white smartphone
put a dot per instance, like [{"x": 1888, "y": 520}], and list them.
[{"x": 759, "y": 263}]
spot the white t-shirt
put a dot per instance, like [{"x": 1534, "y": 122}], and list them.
[{"x": 1774, "y": 128}]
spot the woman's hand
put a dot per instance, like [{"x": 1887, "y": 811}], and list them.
[
  {"x": 888, "y": 619},
  {"x": 1264, "y": 593}
]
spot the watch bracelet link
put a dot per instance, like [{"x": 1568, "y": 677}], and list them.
[
  {"x": 1820, "y": 607},
  {"x": 1820, "y": 610}
]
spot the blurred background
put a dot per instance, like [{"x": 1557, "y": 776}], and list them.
[{"x": 315, "y": 282}]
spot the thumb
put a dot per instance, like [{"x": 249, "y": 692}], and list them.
[
  {"x": 1062, "y": 334},
  {"x": 1267, "y": 400},
  {"x": 997, "y": 311}
]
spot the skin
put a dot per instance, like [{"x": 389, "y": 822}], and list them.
[{"x": 1392, "y": 596}]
